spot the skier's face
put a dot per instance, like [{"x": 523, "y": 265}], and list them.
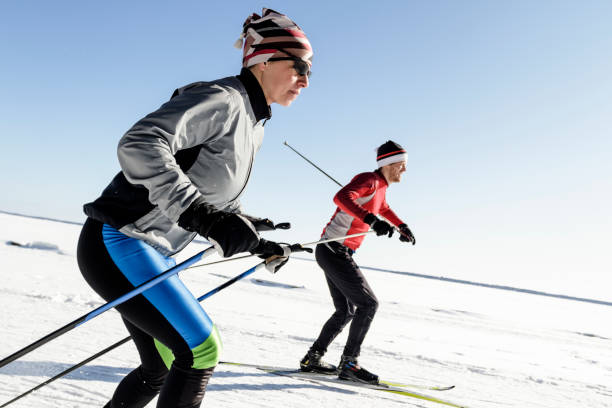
[
  {"x": 281, "y": 82},
  {"x": 393, "y": 172}
]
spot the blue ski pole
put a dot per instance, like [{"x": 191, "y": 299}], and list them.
[{"x": 138, "y": 290}]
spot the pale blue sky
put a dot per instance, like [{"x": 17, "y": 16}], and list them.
[{"x": 504, "y": 108}]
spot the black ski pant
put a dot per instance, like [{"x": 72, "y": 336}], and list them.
[
  {"x": 181, "y": 386},
  {"x": 352, "y": 296}
]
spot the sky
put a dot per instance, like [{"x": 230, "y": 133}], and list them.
[{"x": 503, "y": 108}]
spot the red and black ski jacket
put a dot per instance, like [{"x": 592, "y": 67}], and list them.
[{"x": 364, "y": 194}]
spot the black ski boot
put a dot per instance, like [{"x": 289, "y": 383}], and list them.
[
  {"x": 312, "y": 363},
  {"x": 351, "y": 371}
]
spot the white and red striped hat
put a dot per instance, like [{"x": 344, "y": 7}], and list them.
[
  {"x": 389, "y": 153},
  {"x": 268, "y": 34}
]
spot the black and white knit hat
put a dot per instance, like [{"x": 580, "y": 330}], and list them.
[{"x": 389, "y": 153}]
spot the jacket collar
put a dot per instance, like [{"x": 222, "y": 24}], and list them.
[
  {"x": 256, "y": 95},
  {"x": 379, "y": 173}
]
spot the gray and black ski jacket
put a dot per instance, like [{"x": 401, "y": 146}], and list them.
[{"x": 202, "y": 142}]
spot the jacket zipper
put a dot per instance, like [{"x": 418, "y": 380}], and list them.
[{"x": 246, "y": 181}]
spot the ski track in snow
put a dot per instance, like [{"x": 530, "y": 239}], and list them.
[{"x": 499, "y": 349}]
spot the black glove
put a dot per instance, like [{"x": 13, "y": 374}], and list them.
[
  {"x": 406, "y": 234},
  {"x": 230, "y": 233},
  {"x": 379, "y": 226},
  {"x": 266, "y": 249},
  {"x": 276, "y": 256},
  {"x": 279, "y": 254}
]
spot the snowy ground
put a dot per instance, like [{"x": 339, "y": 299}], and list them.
[{"x": 500, "y": 348}]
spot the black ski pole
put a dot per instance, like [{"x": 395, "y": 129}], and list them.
[
  {"x": 200, "y": 299},
  {"x": 317, "y": 167},
  {"x": 136, "y": 291},
  {"x": 67, "y": 371}
]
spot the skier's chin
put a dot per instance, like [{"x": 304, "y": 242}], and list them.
[{"x": 288, "y": 100}]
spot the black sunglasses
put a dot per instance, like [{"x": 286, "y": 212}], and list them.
[{"x": 300, "y": 66}]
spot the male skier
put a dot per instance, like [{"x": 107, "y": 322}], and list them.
[{"x": 359, "y": 203}]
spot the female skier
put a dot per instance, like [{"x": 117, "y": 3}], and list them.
[{"x": 183, "y": 169}]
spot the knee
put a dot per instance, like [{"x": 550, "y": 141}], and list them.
[
  {"x": 207, "y": 354},
  {"x": 203, "y": 356},
  {"x": 370, "y": 306},
  {"x": 373, "y": 305}
]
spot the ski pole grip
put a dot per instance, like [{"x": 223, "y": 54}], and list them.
[
  {"x": 299, "y": 248},
  {"x": 283, "y": 225}
]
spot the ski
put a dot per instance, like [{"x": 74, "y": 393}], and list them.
[
  {"x": 386, "y": 386},
  {"x": 417, "y": 386},
  {"x": 314, "y": 374}
]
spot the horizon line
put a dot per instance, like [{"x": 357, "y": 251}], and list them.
[
  {"x": 483, "y": 284},
  {"x": 412, "y": 274}
]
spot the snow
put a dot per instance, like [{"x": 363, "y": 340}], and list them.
[{"x": 500, "y": 348}]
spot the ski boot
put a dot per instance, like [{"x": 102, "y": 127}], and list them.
[
  {"x": 312, "y": 362},
  {"x": 350, "y": 370}
]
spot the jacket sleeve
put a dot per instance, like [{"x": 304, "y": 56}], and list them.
[
  {"x": 362, "y": 185},
  {"x": 146, "y": 152},
  {"x": 390, "y": 215}
]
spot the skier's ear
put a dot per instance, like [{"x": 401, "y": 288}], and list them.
[{"x": 258, "y": 68}]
